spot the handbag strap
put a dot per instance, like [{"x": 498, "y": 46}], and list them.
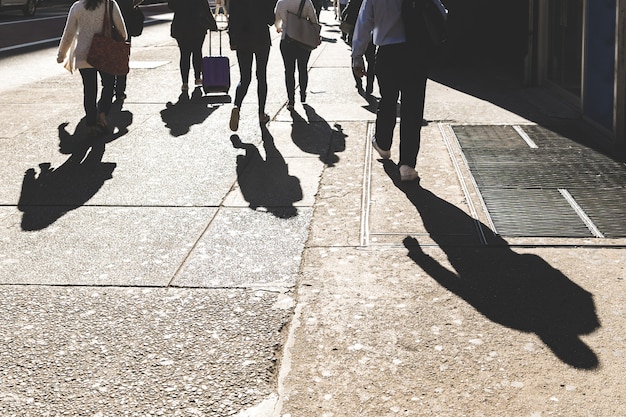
[
  {"x": 299, "y": 8},
  {"x": 106, "y": 25}
]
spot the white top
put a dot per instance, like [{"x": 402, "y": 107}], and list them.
[
  {"x": 284, "y": 6},
  {"x": 81, "y": 25}
]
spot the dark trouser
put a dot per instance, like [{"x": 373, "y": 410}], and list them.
[
  {"x": 190, "y": 52},
  {"x": 294, "y": 55},
  {"x": 120, "y": 85},
  {"x": 397, "y": 78},
  {"x": 90, "y": 93},
  {"x": 244, "y": 58}
]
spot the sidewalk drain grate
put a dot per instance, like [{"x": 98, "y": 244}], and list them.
[
  {"x": 519, "y": 184},
  {"x": 605, "y": 207},
  {"x": 533, "y": 212}
]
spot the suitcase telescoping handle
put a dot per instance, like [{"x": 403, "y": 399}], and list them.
[{"x": 220, "y": 31}]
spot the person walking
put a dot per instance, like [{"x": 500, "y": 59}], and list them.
[
  {"x": 249, "y": 35},
  {"x": 318, "y": 4},
  {"x": 127, "y": 8},
  {"x": 350, "y": 14},
  {"x": 222, "y": 6},
  {"x": 342, "y": 5},
  {"x": 395, "y": 79},
  {"x": 85, "y": 18},
  {"x": 293, "y": 54},
  {"x": 192, "y": 19}
]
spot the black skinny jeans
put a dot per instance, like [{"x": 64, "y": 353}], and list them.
[
  {"x": 190, "y": 54},
  {"x": 245, "y": 58},
  {"x": 90, "y": 93},
  {"x": 294, "y": 55},
  {"x": 397, "y": 78}
]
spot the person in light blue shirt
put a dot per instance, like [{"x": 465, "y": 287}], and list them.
[{"x": 401, "y": 72}]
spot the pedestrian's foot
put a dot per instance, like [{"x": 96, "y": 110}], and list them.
[
  {"x": 234, "y": 119},
  {"x": 264, "y": 118},
  {"x": 290, "y": 105},
  {"x": 198, "y": 82},
  {"x": 184, "y": 87},
  {"x": 302, "y": 97},
  {"x": 408, "y": 173},
  {"x": 383, "y": 154}
]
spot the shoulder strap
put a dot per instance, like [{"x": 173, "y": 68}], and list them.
[
  {"x": 300, "y": 8},
  {"x": 106, "y": 23}
]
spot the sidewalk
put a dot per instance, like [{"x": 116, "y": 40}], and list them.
[{"x": 183, "y": 270}]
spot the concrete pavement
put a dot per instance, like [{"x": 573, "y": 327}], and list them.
[{"x": 177, "y": 268}]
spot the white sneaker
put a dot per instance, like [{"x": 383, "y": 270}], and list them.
[
  {"x": 408, "y": 174},
  {"x": 383, "y": 154}
]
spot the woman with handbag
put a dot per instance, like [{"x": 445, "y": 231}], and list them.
[
  {"x": 84, "y": 20},
  {"x": 294, "y": 55},
  {"x": 192, "y": 19}
]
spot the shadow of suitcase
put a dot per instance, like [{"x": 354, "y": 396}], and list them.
[{"x": 215, "y": 71}]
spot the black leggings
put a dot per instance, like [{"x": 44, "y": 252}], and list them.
[
  {"x": 190, "y": 53},
  {"x": 90, "y": 94},
  {"x": 245, "y": 58}
]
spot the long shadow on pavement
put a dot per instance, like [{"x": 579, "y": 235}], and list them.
[
  {"x": 315, "y": 136},
  {"x": 519, "y": 291},
  {"x": 186, "y": 112},
  {"x": 49, "y": 195},
  {"x": 266, "y": 182}
]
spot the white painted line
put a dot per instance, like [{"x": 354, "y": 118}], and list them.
[
  {"x": 33, "y": 20},
  {"x": 525, "y": 136},
  {"x": 26, "y": 45},
  {"x": 581, "y": 213},
  {"x": 365, "y": 194}
]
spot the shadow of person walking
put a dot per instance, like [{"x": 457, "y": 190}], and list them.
[
  {"x": 519, "y": 291},
  {"x": 46, "y": 197},
  {"x": 186, "y": 112},
  {"x": 266, "y": 182},
  {"x": 315, "y": 136}
]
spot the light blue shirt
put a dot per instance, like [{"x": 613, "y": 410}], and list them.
[{"x": 383, "y": 19}]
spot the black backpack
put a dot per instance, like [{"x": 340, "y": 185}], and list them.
[
  {"x": 425, "y": 24},
  {"x": 134, "y": 23}
]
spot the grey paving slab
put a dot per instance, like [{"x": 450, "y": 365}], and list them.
[
  {"x": 393, "y": 206},
  {"x": 113, "y": 246},
  {"x": 264, "y": 182},
  {"x": 246, "y": 248},
  {"x": 129, "y": 351},
  {"x": 387, "y": 334},
  {"x": 339, "y": 200}
]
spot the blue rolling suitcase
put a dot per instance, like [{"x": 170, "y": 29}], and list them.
[{"x": 215, "y": 71}]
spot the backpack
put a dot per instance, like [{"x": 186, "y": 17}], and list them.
[
  {"x": 425, "y": 24},
  {"x": 134, "y": 24}
]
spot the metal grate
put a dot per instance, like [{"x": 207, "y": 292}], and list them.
[{"x": 519, "y": 184}]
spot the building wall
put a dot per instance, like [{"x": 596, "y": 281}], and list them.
[{"x": 599, "y": 62}]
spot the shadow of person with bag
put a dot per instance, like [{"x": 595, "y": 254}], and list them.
[
  {"x": 52, "y": 192},
  {"x": 186, "y": 112},
  {"x": 519, "y": 291},
  {"x": 315, "y": 136},
  {"x": 266, "y": 182}
]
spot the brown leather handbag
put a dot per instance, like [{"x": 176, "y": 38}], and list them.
[{"x": 108, "y": 53}]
